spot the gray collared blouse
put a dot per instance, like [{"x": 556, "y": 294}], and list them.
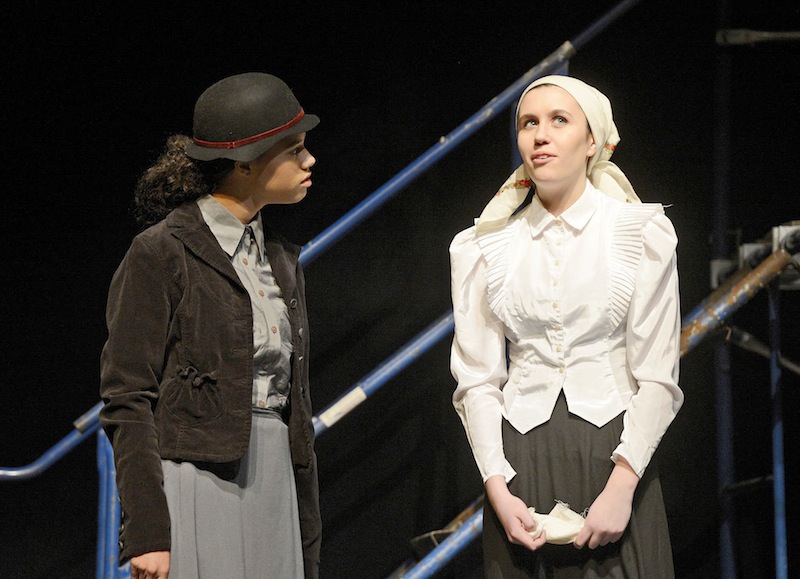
[{"x": 272, "y": 339}]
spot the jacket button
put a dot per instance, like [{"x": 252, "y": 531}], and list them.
[
  {"x": 293, "y": 303},
  {"x": 300, "y": 332}
]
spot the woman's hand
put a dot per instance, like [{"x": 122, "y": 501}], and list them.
[
  {"x": 513, "y": 514},
  {"x": 610, "y": 512},
  {"x": 153, "y": 565}
]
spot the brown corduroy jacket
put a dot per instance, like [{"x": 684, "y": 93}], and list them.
[{"x": 177, "y": 372}]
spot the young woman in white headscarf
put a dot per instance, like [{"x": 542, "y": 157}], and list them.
[{"x": 566, "y": 350}]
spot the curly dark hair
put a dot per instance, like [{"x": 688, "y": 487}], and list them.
[{"x": 173, "y": 180}]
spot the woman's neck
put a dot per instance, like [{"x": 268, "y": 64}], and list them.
[
  {"x": 242, "y": 208},
  {"x": 558, "y": 199}
]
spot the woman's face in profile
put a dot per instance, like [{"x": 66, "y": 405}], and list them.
[
  {"x": 553, "y": 137},
  {"x": 282, "y": 175}
]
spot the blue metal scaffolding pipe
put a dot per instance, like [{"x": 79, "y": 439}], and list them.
[
  {"x": 778, "y": 469},
  {"x": 368, "y": 206},
  {"x": 105, "y": 509},
  {"x": 602, "y": 23},
  {"x": 723, "y": 381},
  {"x": 365, "y": 387},
  {"x": 399, "y": 361},
  {"x": 722, "y": 304},
  {"x": 362, "y": 389},
  {"x": 85, "y": 426},
  {"x": 108, "y": 517},
  {"x": 449, "y": 548}
]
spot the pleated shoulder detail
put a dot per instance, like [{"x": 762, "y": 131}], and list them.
[
  {"x": 625, "y": 253},
  {"x": 495, "y": 248}
]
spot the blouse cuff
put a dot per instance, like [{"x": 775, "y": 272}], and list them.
[{"x": 507, "y": 472}]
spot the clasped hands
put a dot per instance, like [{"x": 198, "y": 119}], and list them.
[{"x": 606, "y": 520}]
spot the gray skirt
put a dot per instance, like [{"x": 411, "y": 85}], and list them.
[
  {"x": 568, "y": 459},
  {"x": 238, "y": 521}
]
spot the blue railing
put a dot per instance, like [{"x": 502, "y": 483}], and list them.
[
  {"x": 108, "y": 515},
  {"x": 84, "y": 427},
  {"x": 88, "y": 424},
  {"x": 555, "y": 62},
  {"x": 709, "y": 316}
]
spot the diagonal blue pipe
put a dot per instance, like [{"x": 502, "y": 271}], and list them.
[
  {"x": 85, "y": 426},
  {"x": 368, "y": 206},
  {"x": 393, "y": 365},
  {"x": 449, "y": 548},
  {"x": 373, "y": 202}
]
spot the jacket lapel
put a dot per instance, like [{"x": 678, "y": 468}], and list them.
[
  {"x": 283, "y": 261},
  {"x": 187, "y": 224}
]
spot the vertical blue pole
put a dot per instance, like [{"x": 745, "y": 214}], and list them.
[
  {"x": 778, "y": 472},
  {"x": 102, "y": 518},
  {"x": 723, "y": 402},
  {"x": 108, "y": 515}
]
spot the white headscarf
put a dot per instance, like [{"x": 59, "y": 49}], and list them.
[{"x": 602, "y": 173}]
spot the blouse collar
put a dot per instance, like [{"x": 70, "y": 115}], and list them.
[
  {"x": 576, "y": 217},
  {"x": 226, "y": 227}
]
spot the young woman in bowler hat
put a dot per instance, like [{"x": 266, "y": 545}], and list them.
[
  {"x": 566, "y": 350},
  {"x": 205, "y": 371}
]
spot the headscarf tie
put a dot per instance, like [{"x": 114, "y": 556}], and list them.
[{"x": 601, "y": 172}]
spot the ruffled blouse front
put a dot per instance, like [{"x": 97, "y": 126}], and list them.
[{"x": 586, "y": 302}]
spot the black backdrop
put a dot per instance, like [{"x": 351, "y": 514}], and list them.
[{"x": 91, "y": 91}]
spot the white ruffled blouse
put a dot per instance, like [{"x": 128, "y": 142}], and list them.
[{"x": 586, "y": 302}]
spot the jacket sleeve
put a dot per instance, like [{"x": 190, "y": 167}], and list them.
[
  {"x": 138, "y": 317},
  {"x": 310, "y": 519}
]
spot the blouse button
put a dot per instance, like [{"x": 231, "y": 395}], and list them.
[
  {"x": 244, "y": 261},
  {"x": 561, "y": 370},
  {"x": 261, "y": 404},
  {"x": 261, "y": 293},
  {"x": 274, "y": 329}
]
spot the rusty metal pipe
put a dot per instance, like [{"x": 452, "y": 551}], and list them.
[{"x": 729, "y": 297}]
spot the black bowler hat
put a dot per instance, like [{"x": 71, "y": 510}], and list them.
[{"x": 242, "y": 116}]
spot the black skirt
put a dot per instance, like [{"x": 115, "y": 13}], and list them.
[{"x": 568, "y": 459}]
